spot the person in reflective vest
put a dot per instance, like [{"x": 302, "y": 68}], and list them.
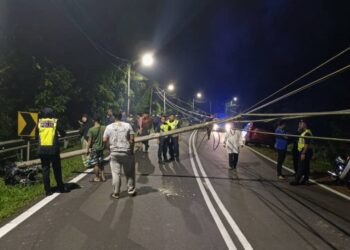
[
  {"x": 305, "y": 155},
  {"x": 173, "y": 142},
  {"x": 163, "y": 141},
  {"x": 49, "y": 149}
]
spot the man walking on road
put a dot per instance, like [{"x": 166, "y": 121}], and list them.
[
  {"x": 233, "y": 142},
  {"x": 281, "y": 147},
  {"x": 146, "y": 127},
  {"x": 95, "y": 148},
  {"x": 305, "y": 155},
  {"x": 49, "y": 149},
  {"x": 120, "y": 137}
]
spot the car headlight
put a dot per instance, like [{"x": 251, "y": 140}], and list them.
[
  {"x": 227, "y": 127},
  {"x": 215, "y": 127}
]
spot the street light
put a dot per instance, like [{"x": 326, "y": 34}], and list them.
[
  {"x": 235, "y": 99},
  {"x": 170, "y": 88},
  {"x": 147, "y": 60},
  {"x": 198, "y": 96}
]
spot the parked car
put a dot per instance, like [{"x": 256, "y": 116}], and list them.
[{"x": 254, "y": 137}]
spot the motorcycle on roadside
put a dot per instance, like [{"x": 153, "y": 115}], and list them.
[{"x": 341, "y": 170}]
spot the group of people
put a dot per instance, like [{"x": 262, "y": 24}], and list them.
[
  {"x": 118, "y": 132},
  {"x": 302, "y": 152}
]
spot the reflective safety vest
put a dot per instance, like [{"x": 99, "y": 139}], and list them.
[
  {"x": 173, "y": 125},
  {"x": 47, "y": 131},
  {"x": 301, "y": 141},
  {"x": 164, "y": 128}
]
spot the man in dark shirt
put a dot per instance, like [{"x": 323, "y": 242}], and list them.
[{"x": 281, "y": 147}]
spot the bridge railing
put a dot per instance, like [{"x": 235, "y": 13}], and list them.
[{"x": 19, "y": 146}]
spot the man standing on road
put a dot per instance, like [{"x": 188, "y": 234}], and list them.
[
  {"x": 296, "y": 152},
  {"x": 305, "y": 152},
  {"x": 146, "y": 127},
  {"x": 49, "y": 149},
  {"x": 85, "y": 125},
  {"x": 95, "y": 148},
  {"x": 233, "y": 143},
  {"x": 162, "y": 141},
  {"x": 281, "y": 147},
  {"x": 173, "y": 142},
  {"x": 120, "y": 137}
]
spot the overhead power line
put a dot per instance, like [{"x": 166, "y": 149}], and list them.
[
  {"x": 299, "y": 78},
  {"x": 319, "y": 80}
]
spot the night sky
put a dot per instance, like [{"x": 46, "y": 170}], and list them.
[{"x": 223, "y": 48}]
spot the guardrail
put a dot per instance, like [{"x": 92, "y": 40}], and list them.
[{"x": 22, "y": 144}]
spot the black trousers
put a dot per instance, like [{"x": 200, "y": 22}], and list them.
[
  {"x": 281, "y": 156},
  {"x": 304, "y": 167},
  {"x": 174, "y": 147},
  {"x": 296, "y": 157},
  {"x": 232, "y": 160},
  {"x": 163, "y": 148},
  {"x": 46, "y": 161}
]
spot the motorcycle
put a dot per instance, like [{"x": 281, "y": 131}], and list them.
[{"x": 341, "y": 170}]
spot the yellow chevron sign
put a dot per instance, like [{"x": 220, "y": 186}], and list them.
[{"x": 27, "y": 122}]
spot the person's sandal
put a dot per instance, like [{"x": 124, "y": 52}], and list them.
[
  {"x": 95, "y": 179},
  {"x": 115, "y": 196}
]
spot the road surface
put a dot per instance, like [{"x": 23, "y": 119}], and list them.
[{"x": 197, "y": 203}]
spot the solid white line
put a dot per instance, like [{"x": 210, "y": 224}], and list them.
[
  {"x": 233, "y": 224},
  {"x": 214, "y": 214},
  {"x": 311, "y": 180},
  {"x": 35, "y": 208}
]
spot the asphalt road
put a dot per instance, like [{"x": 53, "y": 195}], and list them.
[{"x": 197, "y": 203}]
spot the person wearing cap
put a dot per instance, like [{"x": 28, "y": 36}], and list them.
[
  {"x": 305, "y": 155},
  {"x": 49, "y": 149}
]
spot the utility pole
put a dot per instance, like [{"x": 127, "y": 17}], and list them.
[
  {"x": 128, "y": 108},
  {"x": 150, "y": 101},
  {"x": 164, "y": 107}
]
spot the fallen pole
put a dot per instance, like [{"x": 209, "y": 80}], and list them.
[{"x": 137, "y": 139}]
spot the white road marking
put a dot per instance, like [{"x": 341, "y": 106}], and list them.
[
  {"x": 220, "y": 225},
  {"x": 35, "y": 208},
  {"x": 230, "y": 220},
  {"x": 311, "y": 180}
]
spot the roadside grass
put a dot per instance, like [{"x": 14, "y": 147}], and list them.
[{"x": 14, "y": 198}]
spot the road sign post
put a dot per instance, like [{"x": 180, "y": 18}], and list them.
[{"x": 27, "y": 122}]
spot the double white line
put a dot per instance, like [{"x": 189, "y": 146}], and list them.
[{"x": 226, "y": 236}]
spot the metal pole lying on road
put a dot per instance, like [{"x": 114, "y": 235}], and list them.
[{"x": 138, "y": 139}]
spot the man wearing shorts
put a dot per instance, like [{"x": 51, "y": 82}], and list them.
[{"x": 95, "y": 148}]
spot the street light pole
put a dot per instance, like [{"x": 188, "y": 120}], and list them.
[
  {"x": 128, "y": 107},
  {"x": 164, "y": 107}
]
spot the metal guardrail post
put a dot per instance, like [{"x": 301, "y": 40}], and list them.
[{"x": 28, "y": 150}]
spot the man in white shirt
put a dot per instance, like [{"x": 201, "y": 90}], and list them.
[
  {"x": 233, "y": 142},
  {"x": 120, "y": 137}
]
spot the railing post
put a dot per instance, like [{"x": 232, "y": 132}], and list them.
[{"x": 28, "y": 150}]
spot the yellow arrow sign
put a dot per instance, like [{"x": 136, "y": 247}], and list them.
[{"x": 27, "y": 123}]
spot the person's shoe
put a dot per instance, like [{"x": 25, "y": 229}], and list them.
[
  {"x": 170, "y": 160},
  {"x": 48, "y": 193},
  {"x": 63, "y": 190},
  {"x": 294, "y": 183},
  {"x": 281, "y": 177},
  {"x": 160, "y": 161},
  {"x": 305, "y": 182},
  {"x": 132, "y": 191},
  {"x": 115, "y": 196},
  {"x": 177, "y": 159}
]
